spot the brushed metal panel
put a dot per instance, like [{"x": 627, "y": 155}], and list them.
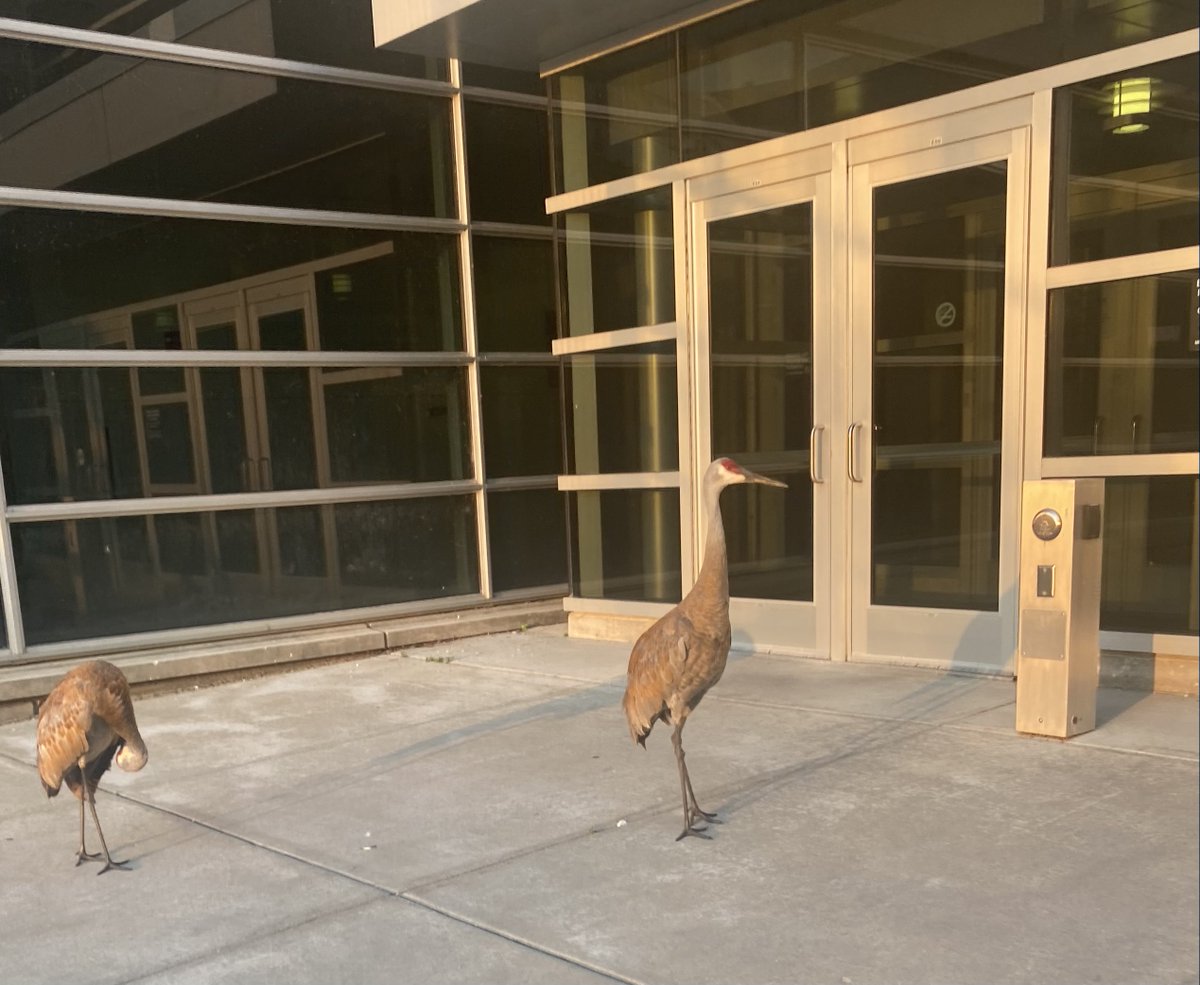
[{"x": 1043, "y": 634}]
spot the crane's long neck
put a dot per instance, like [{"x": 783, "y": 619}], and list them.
[
  {"x": 712, "y": 584},
  {"x": 132, "y": 755}
]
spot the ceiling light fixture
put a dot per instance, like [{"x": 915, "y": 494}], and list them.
[{"x": 1129, "y": 104}]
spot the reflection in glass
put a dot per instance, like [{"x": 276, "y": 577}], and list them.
[
  {"x": 68, "y": 275},
  {"x": 937, "y": 395},
  {"x": 72, "y": 434},
  {"x": 626, "y": 544},
  {"x": 522, "y": 432},
  {"x": 329, "y": 32},
  {"x": 396, "y": 425},
  {"x": 741, "y": 79},
  {"x": 1149, "y": 575},
  {"x": 778, "y": 66},
  {"x": 760, "y": 304},
  {"x": 101, "y": 577},
  {"x": 622, "y": 410},
  {"x": 508, "y": 172},
  {"x": 616, "y": 115},
  {"x": 618, "y": 258},
  {"x": 1126, "y": 164},
  {"x": 514, "y": 293},
  {"x": 527, "y": 530},
  {"x": 1123, "y": 367},
  {"x": 126, "y": 126}
]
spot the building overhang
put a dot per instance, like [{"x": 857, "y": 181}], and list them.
[{"x": 528, "y": 35}]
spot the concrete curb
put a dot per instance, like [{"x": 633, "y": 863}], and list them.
[{"x": 172, "y": 668}]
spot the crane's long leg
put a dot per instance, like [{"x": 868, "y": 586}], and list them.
[
  {"x": 690, "y": 811},
  {"x": 109, "y": 863},
  {"x": 696, "y": 807},
  {"x": 83, "y": 855}
]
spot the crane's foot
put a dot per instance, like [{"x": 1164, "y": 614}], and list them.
[
  {"x": 711, "y": 818},
  {"x": 110, "y": 864},
  {"x": 695, "y": 832},
  {"x": 81, "y": 856}
]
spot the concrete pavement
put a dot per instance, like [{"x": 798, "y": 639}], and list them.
[{"x": 475, "y": 812}]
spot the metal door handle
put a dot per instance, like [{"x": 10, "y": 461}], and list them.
[
  {"x": 1133, "y": 428},
  {"x": 852, "y": 451},
  {"x": 1097, "y": 427},
  {"x": 814, "y": 446}
]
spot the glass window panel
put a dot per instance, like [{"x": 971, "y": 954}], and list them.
[
  {"x": 127, "y": 126},
  {"x": 514, "y": 293},
  {"x": 74, "y": 434},
  {"x": 508, "y": 171},
  {"x": 67, "y": 272},
  {"x": 742, "y": 80},
  {"x": 330, "y": 32},
  {"x": 504, "y": 79},
  {"x": 618, "y": 260},
  {"x": 1122, "y": 367},
  {"x": 617, "y": 115},
  {"x": 939, "y": 248},
  {"x": 1125, "y": 163},
  {"x": 776, "y": 66},
  {"x": 397, "y": 425},
  {"x": 522, "y": 414},
  {"x": 760, "y": 313},
  {"x": 102, "y": 577},
  {"x": 1149, "y": 574},
  {"x": 622, "y": 410},
  {"x": 626, "y": 544},
  {"x": 4, "y": 622},
  {"x": 527, "y": 530},
  {"x": 406, "y": 549}
]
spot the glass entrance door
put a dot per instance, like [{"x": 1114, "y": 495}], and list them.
[
  {"x": 292, "y": 449},
  {"x": 932, "y": 443},
  {"x": 762, "y": 272}
]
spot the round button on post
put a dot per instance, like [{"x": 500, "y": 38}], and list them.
[{"x": 1047, "y": 524}]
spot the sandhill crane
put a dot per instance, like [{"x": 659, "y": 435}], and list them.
[
  {"x": 676, "y": 661},
  {"x": 84, "y": 723}
]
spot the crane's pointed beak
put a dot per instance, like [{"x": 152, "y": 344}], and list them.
[{"x": 762, "y": 479}]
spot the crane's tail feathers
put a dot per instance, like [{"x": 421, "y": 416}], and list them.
[{"x": 50, "y": 791}]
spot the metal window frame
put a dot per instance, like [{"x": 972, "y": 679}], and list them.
[
  {"x": 133, "y": 46},
  {"x": 468, "y": 357},
  {"x": 777, "y": 155}
]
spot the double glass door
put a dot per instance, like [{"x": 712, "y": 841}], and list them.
[
  {"x": 260, "y": 433},
  {"x": 859, "y": 336}
]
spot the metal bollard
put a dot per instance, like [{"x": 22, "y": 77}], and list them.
[{"x": 1059, "y": 616}]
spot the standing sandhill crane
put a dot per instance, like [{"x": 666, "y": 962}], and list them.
[
  {"x": 84, "y": 723},
  {"x": 676, "y": 661}
]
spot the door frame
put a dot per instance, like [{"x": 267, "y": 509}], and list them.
[
  {"x": 771, "y": 625},
  {"x": 838, "y": 621},
  {"x": 910, "y": 634}
]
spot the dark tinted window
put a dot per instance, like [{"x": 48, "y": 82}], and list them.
[{"x": 127, "y": 126}]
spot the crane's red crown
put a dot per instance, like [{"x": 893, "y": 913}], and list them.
[{"x": 731, "y": 465}]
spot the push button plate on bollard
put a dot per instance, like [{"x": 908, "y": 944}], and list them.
[{"x": 1045, "y": 581}]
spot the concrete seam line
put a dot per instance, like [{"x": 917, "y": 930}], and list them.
[
  {"x": 386, "y": 890},
  {"x": 518, "y": 939},
  {"x": 379, "y": 887},
  {"x": 200, "y": 959}
]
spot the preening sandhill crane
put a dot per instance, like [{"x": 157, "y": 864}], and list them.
[
  {"x": 676, "y": 661},
  {"x": 84, "y": 724}
]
